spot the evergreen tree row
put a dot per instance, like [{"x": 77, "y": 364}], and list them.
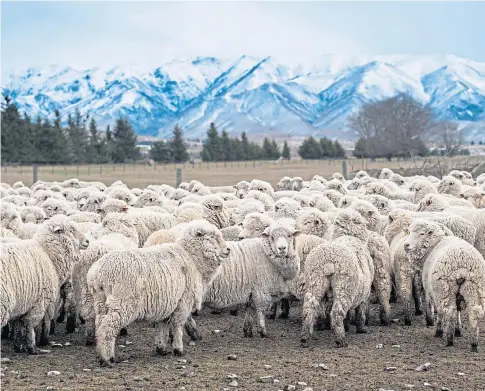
[
  {"x": 218, "y": 148},
  {"x": 322, "y": 149},
  {"x": 172, "y": 151},
  {"x": 24, "y": 141}
]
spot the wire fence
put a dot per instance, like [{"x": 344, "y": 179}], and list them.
[{"x": 215, "y": 173}]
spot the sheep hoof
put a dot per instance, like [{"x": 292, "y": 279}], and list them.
[
  {"x": 33, "y": 351},
  {"x": 385, "y": 321},
  {"x": 178, "y": 352},
  {"x": 407, "y": 322},
  {"x": 438, "y": 333},
  {"x": 248, "y": 334},
  {"x": 474, "y": 347},
  {"x": 341, "y": 343},
  {"x": 18, "y": 349},
  {"x": 70, "y": 325},
  {"x": 418, "y": 312},
  {"x": 43, "y": 341},
  {"x": 123, "y": 332},
  {"x": 284, "y": 315},
  {"x": 105, "y": 363},
  {"x": 457, "y": 332},
  {"x": 304, "y": 343},
  {"x": 233, "y": 312},
  {"x": 264, "y": 334},
  {"x": 449, "y": 343},
  {"x": 271, "y": 316},
  {"x": 429, "y": 322},
  {"x": 216, "y": 312},
  {"x": 90, "y": 342},
  {"x": 362, "y": 330},
  {"x": 163, "y": 351}
]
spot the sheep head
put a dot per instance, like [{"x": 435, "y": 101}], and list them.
[
  {"x": 423, "y": 236},
  {"x": 348, "y": 222}
]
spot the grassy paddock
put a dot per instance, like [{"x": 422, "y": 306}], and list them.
[{"x": 212, "y": 174}]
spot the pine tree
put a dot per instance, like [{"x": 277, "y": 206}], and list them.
[
  {"x": 246, "y": 148},
  {"x": 227, "y": 151},
  {"x": 78, "y": 138},
  {"x": 212, "y": 149},
  {"x": 178, "y": 148},
  {"x": 124, "y": 141},
  {"x": 267, "y": 149},
  {"x": 310, "y": 149},
  {"x": 327, "y": 148},
  {"x": 276, "y": 150},
  {"x": 95, "y": 143},
  {"x": 286, "y": 151},
  {"x": 160, "y": 152},
  {"x": 10, "y": 125},
  {"x": 339, "y": 150},
  {"x": 237, "y": 148}
]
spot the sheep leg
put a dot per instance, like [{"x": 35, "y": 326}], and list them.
[
  {"x": 383, "y": 292},
  {"x": 6, "y": 331},
  {"x": 285, "y": 308},
  {"x": 418, "y": 294},
  {"x": 404, "y": 288},
  {"x": 337, "y": 316},
  {"x": 43, "y": 331},
  {"x": 71, "y": 323},
  {"x": 360, "y": 316},
  {"x": 272, "y": 311},
  {"x": 106, "y": 332},
  {"x": 30, "y": 338},
  {"x": 347, "y": 322},
  {"x": 90, "y": 332},
  {"x": 52, "y": 328},
  {"x": 458, "y": 326},
  {"x": 123, "y": 332},
  {"x": 430, "y": 313},
  {"x": 449, "y": 320},
  {"x": 309, "y": 314},
  {"x": 191, "y": 329},
  {"x": 178, "y": 320},
  {"x": 248, "y": 321},
  {"x": 163, "y": 330},
  {"x": 475, "y": 313},
  {"x": 234, "y": 311},
  {"x": 18, "y": 336}
]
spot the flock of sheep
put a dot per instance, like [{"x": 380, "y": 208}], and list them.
[{"x": 108, "y": 256}]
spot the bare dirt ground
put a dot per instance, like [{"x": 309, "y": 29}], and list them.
[{"x": 361, "y": 366}]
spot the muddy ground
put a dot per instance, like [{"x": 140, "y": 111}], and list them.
[{"x": 361, "y": 366}]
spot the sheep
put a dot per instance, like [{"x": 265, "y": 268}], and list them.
[
  {"x": 91, "y": 203},
  {"x": 453, "y": 271},
  {"x": 262, "y": 186},
  {"x": 123, "y": 194},
  {"x": 474, "y": 195},
  {"x": 361, "y": 174},
  {"x": 73, "y": 182},
  {"x": 110, "y": 206},
  {"x": 231, "y": 233},
  {"x": 249, "y": 206},
  {"x": 11, "y": 220},
  {"x": 337, "y": 185},
  {"x": 256, "y": 274},
  {"x": 322, "y": 203},
  {"x": 286, "y": 208},
  {"x": 85, "y": 217},
  {"x": 136, "y": 191},
  {"x": 24, "y": 191},
  {"x": 148, "y": 198},
  {"x": 17, "y": 185},
  {"x": 254, "y": 225},
  {"x": 397, "y": 179},
  {"x": 33, "y": 272},
  {"x": 284, "y": 183},
  {"x": 386, "y": 173},
  {"x": 215, "y": 211},
  {"x": 242, "y": 189},
  {"x": 320, "y": 179},
  {"x": 347, "y": 200},
  {"x": 117, "y": 233},
  {"x": 451, "y": 185},
  {"x": 296, "y": 183},
  {"x": 200, "y": 189},
  {"x": 177, "y": 194},
  {"x": 182, "y": 270},
  {"x": 343, "y": 266},
  {"x": 278, "y": 195},
  {"x": 316, "y": 186},
  {"x": 189, "y": 211},
  {"x": 69, "y": 194},
  {"x": 7, "y": 234},
  {"x": 381, "y": 189},
  {"x": 314, "y": 222},
  {"x": 381, "y": 256},
  {"x": 384, "y": 205},
  {"x": 53, "y": 206},
  {"x": 15, "y": 200},
  {"x": 339, "y": 177},
  {"x": 221, "y": 189},
  {"x": 264, "y": 198},
  {"x": 32, "y": 214},
  {"x": 437, "y": 203},
  {"x": 333, "y": 195}
]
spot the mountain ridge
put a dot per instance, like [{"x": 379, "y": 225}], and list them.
[{"x": 254, "y": 94}]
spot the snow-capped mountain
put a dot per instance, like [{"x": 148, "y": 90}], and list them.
[{"x": 252, "y": 94}]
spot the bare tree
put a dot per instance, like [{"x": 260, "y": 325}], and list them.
[
  {"x": 393, "y": 127},
  {"x": 449, "y": 136}
]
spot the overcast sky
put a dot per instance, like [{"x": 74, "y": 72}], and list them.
[{"x": 87, "y": 34}]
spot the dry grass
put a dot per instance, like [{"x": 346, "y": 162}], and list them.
[{"x": 135, "y": 175}]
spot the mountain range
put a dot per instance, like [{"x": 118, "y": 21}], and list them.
[{"x": 297, "y": 97}]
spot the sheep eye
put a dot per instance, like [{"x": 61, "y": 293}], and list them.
[
  {"x": 430, "y": 233},
  {"x": 199, "y": 234}
]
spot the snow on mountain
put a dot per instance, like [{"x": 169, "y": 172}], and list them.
[{"x": 253, "y": 94}]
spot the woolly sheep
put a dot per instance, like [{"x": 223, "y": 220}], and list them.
[
  {"x": 361, "y": 174},
  {"x": 85, "y": 217},
  {"x": 123, "y": 194},
  {"x": 40, "y": 267},
  {"x": 231, "y": 233},
  {"x": 111, "y": 205},
  {"x": 178, "y": 194},
  {"x": 32, "y": 214},
  {"x": 397, "y": 179},
  {"x": 24, "y": 191},
  {"x": 242, "y": 189},
  {"x": 381, "y": 189},
  {"x": 305, "y": 201},
  {"x": 15, "y": 200},
  {"x": 436, "y": 203},
  {"x": 296, "y": 183},
  {"x": 264, "y": 198},
  {"x": 69, "y": 194},
  {"x": 451, "y": 185},
  {"x": 136, "y": 191},
  {"x": 148, "y": 198},
  {"x": 339, "y": 177},
  {"x": 10, "y": 219},
  {"x": 314, "y": 222},
  {"x": 117, "y": 233},
  {"x": 182, "y": 270},
  {"x": 262, "y": 186},
  {"x": 320, "y": 179},
  {"x": 386, "y": 173},
  {"x": 256, "y": 274},
  {"x": 73, "y": 182},
  {"x": 453, "y": 271},
  {"x": 200, "y": 189},
  {"x": 316, "y": 186},
  {"x": 337, "y": 185},
  {"x": 474, "y": 195},
  {"x": 254, "y": 225},
  {"x": 162, "y": 236},
  {"x": 284, "y": 183},
  {"x": 53, "y": 206},
  {"x": 189, "y": 211},
  {"x": 333, "y": 195},
  {"x": 91, "y": 203},
  {"x": 247, "y": 207},
  {"x": 286, "y": 208},
  {"x": 215, "y": 211},
  {"x": 344, "y": 266}
]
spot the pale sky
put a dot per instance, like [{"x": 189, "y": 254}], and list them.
[{"x": 89, "y": 34}]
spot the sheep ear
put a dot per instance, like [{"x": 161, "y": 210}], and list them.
[
  {"x": 265, "y": 233},
  {"x": 311, "y": 203},
  {"x": 124, "y": 209},
  {"x": 446, "y": 230},
  {"x": 57, "y": 229},
  {"x": 234, "y": 186},
  {"x": 429, "y": 201},
  {"x": 296, "y": 233}
]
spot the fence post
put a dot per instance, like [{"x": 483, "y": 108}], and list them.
[
  {"x": 344, "y": 168},
  {"x": 34, "y": 172},
  {"x": 179, "y": 176}
]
